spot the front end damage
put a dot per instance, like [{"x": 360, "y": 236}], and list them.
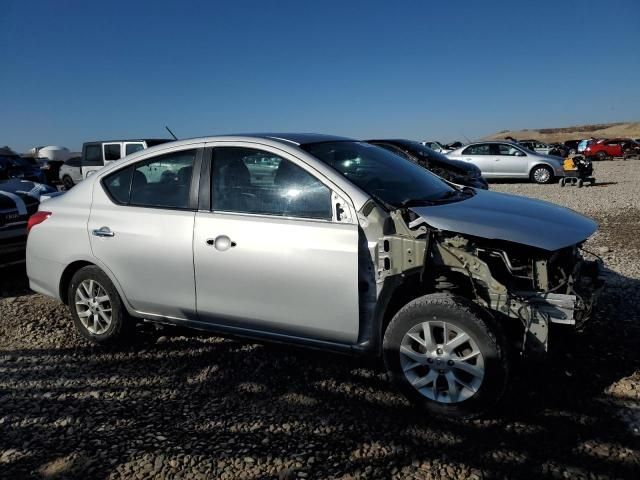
[{"x": 513, "y": 282}]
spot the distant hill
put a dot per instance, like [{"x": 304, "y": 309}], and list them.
[{"x": 601, "y": 130}]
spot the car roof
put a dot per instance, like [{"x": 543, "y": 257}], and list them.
[
  {"x": 299, "y": 138},
  {"x": 130, "y": 140},
  {"x": 491, "y": 141},
  {"x": 391, "y": 140},
  {"x": 289, "y": 138}
]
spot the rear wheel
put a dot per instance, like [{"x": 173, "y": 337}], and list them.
[
  {"x": 96, "y": 307},
  {"x": 541, "y": 174},
  {"x": 445, "y": 358},
  {"x": 67, "y": 182}
]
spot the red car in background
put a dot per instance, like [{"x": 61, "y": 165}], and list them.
[{"x": 608, "y": 148}]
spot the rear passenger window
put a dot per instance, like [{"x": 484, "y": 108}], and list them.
[
  {"x": 163, "y": 181},
  {"x": 245, "y": 180},
  {"x": 112, "y": 151},
  {"x": 117, "y": 185}
]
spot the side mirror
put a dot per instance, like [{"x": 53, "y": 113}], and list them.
[{"x": 519, "y": 153}]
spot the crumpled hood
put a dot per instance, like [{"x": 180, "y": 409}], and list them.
[{"x": 513, "y": 218}]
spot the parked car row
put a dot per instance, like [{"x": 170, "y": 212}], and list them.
[
  {"x": 19, "y": 199},
  {"x": 606, "y": 149},
  {"x": 13, "y": 165},
  {"x": 326, "y": 242}
]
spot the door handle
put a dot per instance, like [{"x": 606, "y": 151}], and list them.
[
  {"x": 221, "y": 243},
  {"x": 103, "y": 232}
]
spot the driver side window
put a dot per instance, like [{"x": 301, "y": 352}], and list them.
[
  {"x": 246, "y": 180},
  {"x": 504, "y": 149}
]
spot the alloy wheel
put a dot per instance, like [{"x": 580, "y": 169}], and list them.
[
  {"x": 93, "y": 306},
  {"x": 442, "y": 361},
  {"x": 541, "y": 175}
]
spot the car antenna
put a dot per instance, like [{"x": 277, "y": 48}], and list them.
[
  {"x": 172, "y": 134},
  {"x": 465, "y": 137}
]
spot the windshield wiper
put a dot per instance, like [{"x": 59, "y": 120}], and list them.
[
  {"x": 416, "y": 202},
  {"x": 451, "y": 195}
]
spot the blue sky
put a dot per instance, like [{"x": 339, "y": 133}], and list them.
[{"x": 76, "y": 70}]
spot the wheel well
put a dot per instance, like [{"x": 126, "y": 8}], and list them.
[
  {"x": 410, "y": 289},
  {"x": 67, "y": 275},
  {"x": 537, "y": 165}
]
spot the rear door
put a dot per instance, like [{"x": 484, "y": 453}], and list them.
[
  {"x": 270, "y": 253},
  {"x": 480, "y": 155},
  {"x": 141, "y": 228}
]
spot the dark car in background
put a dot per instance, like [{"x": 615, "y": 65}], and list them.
[
  {"x": 456, "y": 171},
  {"x": 50, "y": 168},
  {"x": 14, "y": 166},
  {"x": 19, "y": 199},
  {"x": 572, "y": 146}
]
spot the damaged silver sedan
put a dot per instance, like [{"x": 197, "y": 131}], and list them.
[{"x": 324, "y": 242}]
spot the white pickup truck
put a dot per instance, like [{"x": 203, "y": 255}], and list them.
[{"x": 96, "y": 155}]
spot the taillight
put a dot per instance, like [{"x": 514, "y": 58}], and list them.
[{"x": 36, "y": 219}]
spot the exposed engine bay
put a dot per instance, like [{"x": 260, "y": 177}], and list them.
[{"x": 509, "y": 280}]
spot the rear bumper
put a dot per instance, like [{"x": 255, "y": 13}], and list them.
[{"x": 44, "y": 276}]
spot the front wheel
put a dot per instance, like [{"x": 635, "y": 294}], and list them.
[
  {"x": 541, "y": 174},
  {"x": 96, "y": 307},
  {"x": 602, "y": 155},
  {"x": 445, "y": 357}
]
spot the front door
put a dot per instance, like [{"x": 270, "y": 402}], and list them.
[
  {"x": 141, "y": 229},
  {"x": 271, "y": 256},
  {"x": 509, "y": 161}
]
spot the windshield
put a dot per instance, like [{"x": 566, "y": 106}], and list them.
[{"x": 384, "y": 175}]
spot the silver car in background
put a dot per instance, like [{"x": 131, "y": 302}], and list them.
[
  {"x": 320, "y": 241},
  {"x": 503, "y": 159}
]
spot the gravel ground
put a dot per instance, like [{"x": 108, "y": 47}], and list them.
[{"x": 172, "y": 406}]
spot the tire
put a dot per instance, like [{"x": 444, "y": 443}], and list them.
[
  {"x": 602, "y": 155},
  {"x": 434, "y": 392},
  {"x": 541, "y": 174},
  {"x": 563, "y": 181},
  {"x": 580, "y": 183},
  {"x": 88, "y": 284},
  {"x": 67, "y": 182}
]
